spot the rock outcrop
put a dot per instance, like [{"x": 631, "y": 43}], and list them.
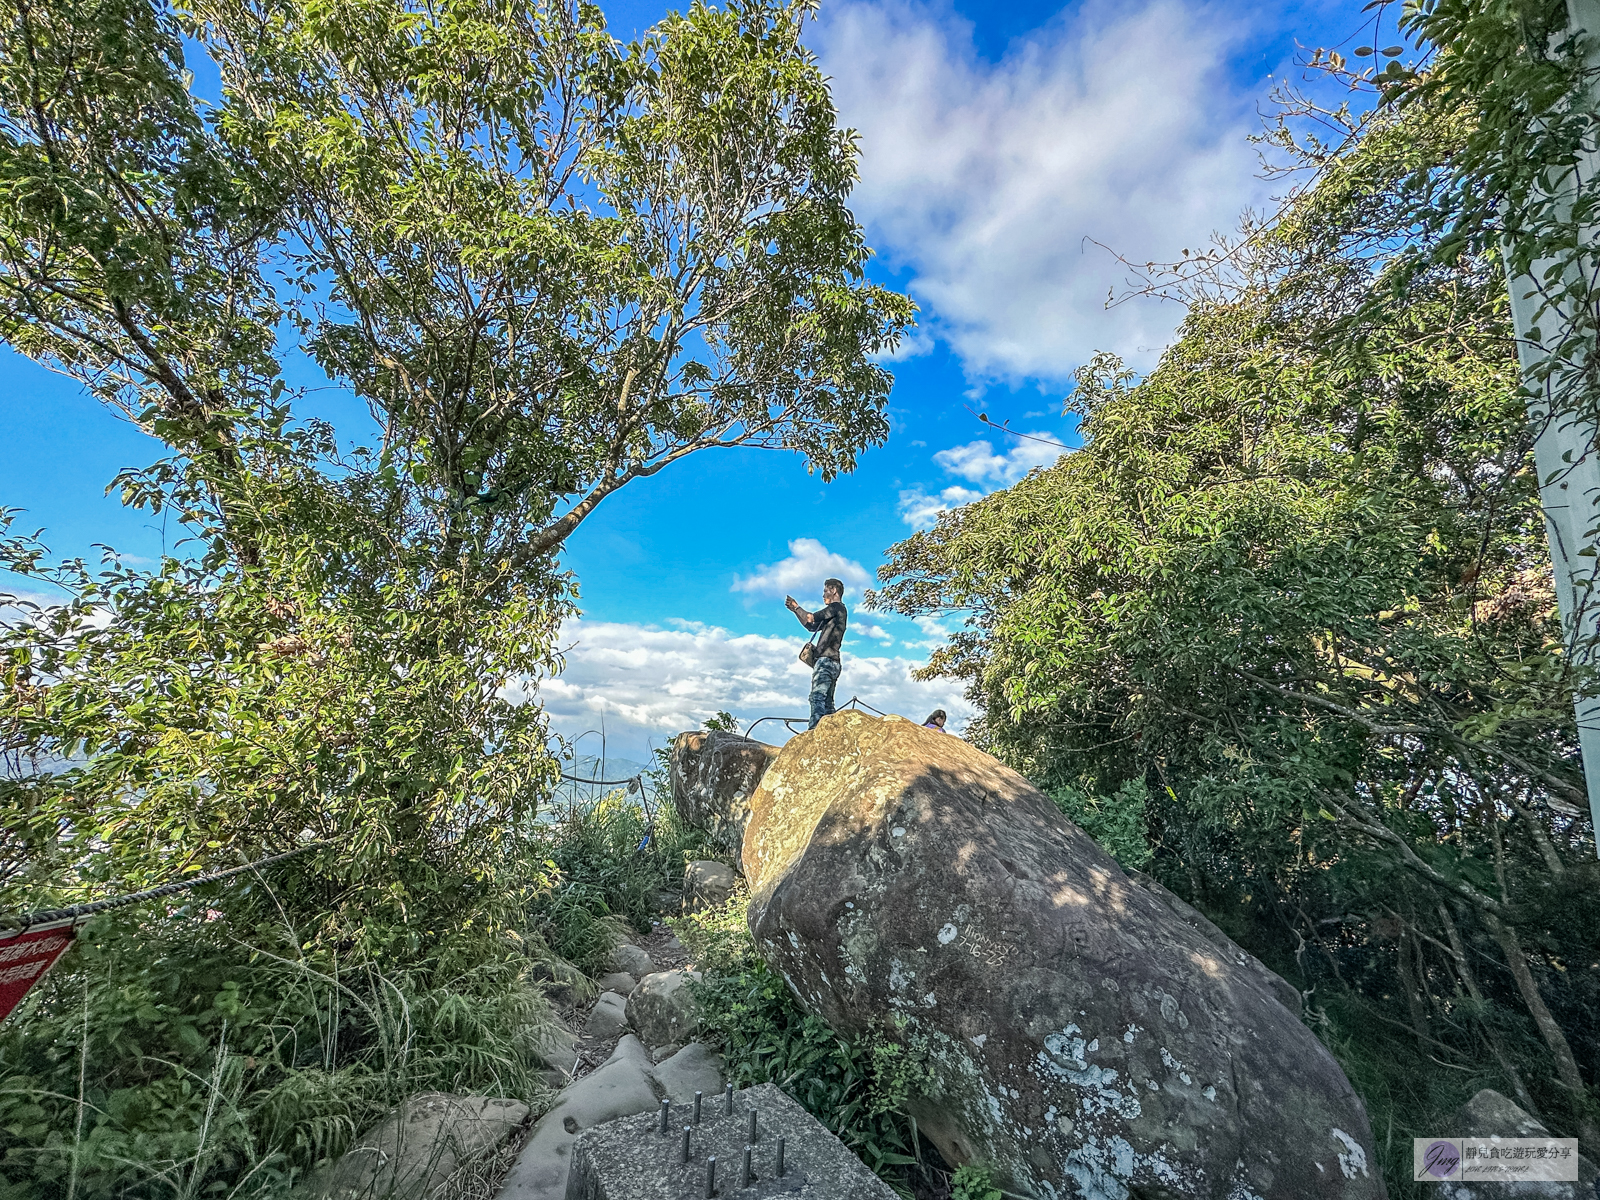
[
  {"x": 713, "y": 776},
  {"x": 1085, "y": 1039}
]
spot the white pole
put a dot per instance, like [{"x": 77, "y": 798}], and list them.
[{"x": 1567, "y": 457}]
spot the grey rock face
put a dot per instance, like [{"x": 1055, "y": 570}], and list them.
[
  {"x": 632, "y": 959},
  {"x": 707, "y": 884},
  {"x": 1287, "y": 994},
  {"x": 558, "y": 1050},
  {"x": 619, "y": 982},
  {"x": 662, "y": 1008},
  {"x": 631, "y": 1160},
  {"x": 608, "y": 1016},
  {"x": 419, "y": 1146},
  {"x": 624, "y": 1085},
  {"x": 713, "y": 776},
  {"x": 1491, "y": 1115},
  {"x": 1085, "y": 1039}
]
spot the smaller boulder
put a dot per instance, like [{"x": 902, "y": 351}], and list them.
[
  {"x": 694, "y": 1068},
  {"x": 1491, "y": 1115},
  {"x": 414, "y": 1151},
  {"x": 713, "y": 775},
  {"x": 608, "y": 1016},
  {"x": 707, "y": 884},
  {"x": 662, "y": 1008},
  {"x": 630, "y": 958},
  {"x": 558, "y": 1050},
  {"x": 618, "y": 981},
  {"x": 620, "y": 1087}
]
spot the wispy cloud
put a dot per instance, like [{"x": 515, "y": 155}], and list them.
[
  {"x": 989, "y": 183},
  {"x": 919, "y": 510},
  {"x": 979, "y": 462},
  {"x": 802, "y": 573}
]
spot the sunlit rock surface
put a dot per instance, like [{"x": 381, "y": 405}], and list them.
[{"x": 1087, "y": 1040}]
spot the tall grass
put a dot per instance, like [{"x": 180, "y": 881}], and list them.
[
  {"x": 168, "y": 1059},
  {"x": 197, "y": 1052},
  {"x": 606, "y": 867}
]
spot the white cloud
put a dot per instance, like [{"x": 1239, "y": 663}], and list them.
[
  {"x": 978, "y": 461},
  {"x": 989, "y": 182},
  {"x": 919, "y": 510},
  {"x": 802, "y": 573},
  {"x": 647, "y": 683}
]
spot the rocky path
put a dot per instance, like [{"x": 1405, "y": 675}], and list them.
[{"x": 665, "y": 953}]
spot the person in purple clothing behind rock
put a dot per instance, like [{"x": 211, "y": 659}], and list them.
[{"x": 828, "y": 624}]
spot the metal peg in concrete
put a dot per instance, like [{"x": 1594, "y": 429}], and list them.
[
  {"x": 666, "y": 1117},
  {"x": 711, "y": 1177},
  {"x": 780, "y": 1158},
  {"x": 749, "y": 1176},
  {"x": 697, "y": 1108},
  {"x": 727, "y": 1101},
  {"x": 750, "y": 1131},
  {"x": 683, "y": 1154}
]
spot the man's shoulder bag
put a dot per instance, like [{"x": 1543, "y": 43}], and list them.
[{"x": 808, "y": 652}]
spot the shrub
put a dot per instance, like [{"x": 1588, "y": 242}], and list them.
[
  {"x": 604, "y": 866},
  {"x": 1117, "y": 822},
  {"x": 973, "y": 1183},
  {"x": 857, "y": 1088},
  {"x": 166, "y": 1058}
]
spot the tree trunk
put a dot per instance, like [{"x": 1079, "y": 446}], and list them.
[
  {"x": 1497, "y": 1048},
  {"x": 1566, "y": 1064},
  {"x": 1404, "y": 949}
]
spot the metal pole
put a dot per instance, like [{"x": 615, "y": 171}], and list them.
[{"x": 1567, "y": 457}]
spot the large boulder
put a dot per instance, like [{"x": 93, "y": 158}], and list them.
[
  {"x": 1085, "y": 1040},
  {"x": 713, "y": 776}
]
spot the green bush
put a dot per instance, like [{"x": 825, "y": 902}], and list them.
[
  {"x": 164, "y": 1058},
  {"x": 1117, "y": 822},
  {"x": 973, "y": 1183},
  {"x": 857, "y": 1088},
  {"x": 604, "y": 865}
]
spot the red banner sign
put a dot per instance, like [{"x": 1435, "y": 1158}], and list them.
[{"x": 25, "y": 957}]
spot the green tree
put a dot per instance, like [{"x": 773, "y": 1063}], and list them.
[
  {"x": 1292, "y": 599},
  {"x": 551, "y": 264}
]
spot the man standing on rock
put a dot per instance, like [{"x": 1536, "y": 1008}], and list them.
[{"x": 828, "y": 624}]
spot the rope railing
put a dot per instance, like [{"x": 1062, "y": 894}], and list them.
[
  {"x": 56, "y": 916},
  {"x": 790, "y": 722},
  {"x": 634, "y": 783}
]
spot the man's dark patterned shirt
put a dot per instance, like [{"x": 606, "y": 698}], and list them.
[{"x": 830, "y": 620}]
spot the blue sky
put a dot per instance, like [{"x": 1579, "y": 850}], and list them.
[{"x": 999, "y": 144}]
